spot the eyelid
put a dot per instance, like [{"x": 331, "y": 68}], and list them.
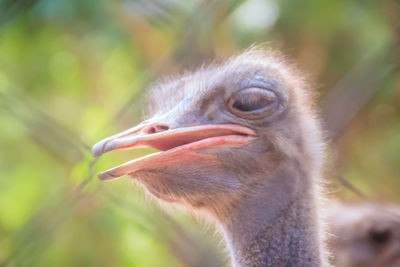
[
  {"x": 261, "y": 91},
  {"x": 263, "y": 111},
  {"x": 262, "y": 83}
]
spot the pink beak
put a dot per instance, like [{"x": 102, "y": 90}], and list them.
[{"x": 174, "y": 142}]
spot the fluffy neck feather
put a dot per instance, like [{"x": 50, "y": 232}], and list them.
[{"x": 276, "y": 225}]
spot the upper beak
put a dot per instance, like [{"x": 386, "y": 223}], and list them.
[
  {"x": 106, "y": 144},
  {"x": 173, "y": 141}
]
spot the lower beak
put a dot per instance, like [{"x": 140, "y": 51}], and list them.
[{"x": 173, "y": 141}]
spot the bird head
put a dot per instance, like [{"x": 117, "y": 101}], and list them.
[{"x": 221, "y": 131}]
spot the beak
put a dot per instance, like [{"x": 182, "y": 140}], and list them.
[{"x": 176, "y": 143}]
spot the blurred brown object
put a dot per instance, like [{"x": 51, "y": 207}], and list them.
[{"x": 364, "y": 234}]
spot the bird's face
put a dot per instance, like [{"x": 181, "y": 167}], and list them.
[{"x": 215, "y": 129}]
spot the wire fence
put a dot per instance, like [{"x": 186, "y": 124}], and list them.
[{"x": 353, "y": 92}]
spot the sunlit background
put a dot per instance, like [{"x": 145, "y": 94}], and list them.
[{"x": 73, "y": 72}]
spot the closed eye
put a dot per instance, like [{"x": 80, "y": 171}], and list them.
[{"x": 253, "y": 101}]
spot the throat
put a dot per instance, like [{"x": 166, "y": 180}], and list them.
[{"x": 280, "y": 229}]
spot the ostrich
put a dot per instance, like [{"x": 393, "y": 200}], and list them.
[
  {"x": 364, "y": 234},
  {"x": 240, "y": 144}
]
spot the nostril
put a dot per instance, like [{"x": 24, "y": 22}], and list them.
[
  {"x": 151, "y": 130},
  {"x": 380, "y": 236},
  {"x": 155, "y": 128},
  {"x": 162, "y": 127}
]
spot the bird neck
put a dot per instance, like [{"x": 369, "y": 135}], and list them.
[{"x": 277, "y": 225}]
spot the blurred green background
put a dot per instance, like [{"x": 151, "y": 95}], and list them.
[{"x": 73, "y": 72}]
